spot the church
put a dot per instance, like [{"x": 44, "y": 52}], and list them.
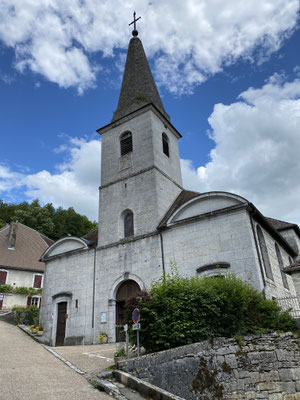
[{"x": 148, "y": 221}]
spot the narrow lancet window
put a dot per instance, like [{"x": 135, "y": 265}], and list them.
[
  {"x": 264, "y": 253},
  {"x": 126, "y": 143},
  {"x": 281, "y": 266},
  {"x": 128, "y": 224},
  {"x": 165, "y": 144}
]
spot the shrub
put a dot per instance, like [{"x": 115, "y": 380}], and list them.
[
  {"x": 27, "y": 315},
  {"x": 180, "y": 311},
  {"x": 5, "y": 288}
]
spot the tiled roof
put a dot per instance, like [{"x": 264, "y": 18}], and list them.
[
  {"x": 29, "y": 247},
  {"x": 280, "y": 225},
  {"x": 183, "y": 197},
  {"x": 92, "y": 237},
  {"x": 138, "y": 86}
]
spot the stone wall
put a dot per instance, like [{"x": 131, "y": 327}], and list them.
[{"x": 265, "y": 367}]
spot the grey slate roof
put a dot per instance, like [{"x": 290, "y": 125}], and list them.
[
  {"x": 138, "y": 86},
  {"x": 280, "y": 225}
]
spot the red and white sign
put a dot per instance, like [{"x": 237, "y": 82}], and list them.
[{"x": 136, "y": 315}]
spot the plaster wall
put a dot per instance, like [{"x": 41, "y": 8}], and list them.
[
  {"x": 225, "y": 237},
  {"x": 17, "y": 278},
  {"x": 74, "y": 274},
  {"x": 148, "y": 195},
  {"x": 139, "y": 260},
  {"x": 275, "y": 288}
]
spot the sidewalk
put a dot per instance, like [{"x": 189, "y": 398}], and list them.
[{"x": 29, "y": 372}]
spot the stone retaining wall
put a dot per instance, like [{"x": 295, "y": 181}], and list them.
[{"x": 265, "y": 367}]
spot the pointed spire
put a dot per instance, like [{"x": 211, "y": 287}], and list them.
[{"x": 138, "y": 86}]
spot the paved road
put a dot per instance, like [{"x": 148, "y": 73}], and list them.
[
  {"x": 90, "y": 359},
  {"x": 29, "y": 372}
]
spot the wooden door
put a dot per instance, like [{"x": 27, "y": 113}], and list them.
[
  {"x": 61, "y": 323},
  {"x": 126, "y": 290}
]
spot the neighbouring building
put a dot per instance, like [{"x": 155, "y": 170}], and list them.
[
  {"x": 20, "y": 251},
  {"x": 147, "y": 221}
]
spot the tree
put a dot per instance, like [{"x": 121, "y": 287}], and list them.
[
  {"x": 54, "y": 223},
  {"x": 179, "y": 311}
]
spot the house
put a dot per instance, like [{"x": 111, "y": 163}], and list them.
[
  {"x": 147, "y": 221},
  {"x": 20, "y": 269}
]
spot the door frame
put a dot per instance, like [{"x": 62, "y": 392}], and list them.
[
  {"x": 54, "y": 313},
  {"x": 66, "y": 312}
]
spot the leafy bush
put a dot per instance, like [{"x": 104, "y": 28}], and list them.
[
  {"x": 5, "y": 288},
  {"x": 27, "y": 315},
  {"x": 27, "y": 291},
  {"x": 180, "y": 311}
]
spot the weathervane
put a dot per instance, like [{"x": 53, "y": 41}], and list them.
[{"x": 134, "y": 32}]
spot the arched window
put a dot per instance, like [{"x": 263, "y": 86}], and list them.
[
  {"x": 165, "y": 144},
  {"x": 281, "y": 266},
  {"x": 126, "y": 143},
  {"x": 264, "y": 253},
  {"x": 128, "y": 224}
]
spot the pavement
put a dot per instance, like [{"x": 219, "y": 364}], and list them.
[{"x": 29, "y": 372}]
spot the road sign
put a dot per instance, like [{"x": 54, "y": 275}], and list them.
[
  {"x": 136, "y": 327},
  {"x": 136, "y": 315}
]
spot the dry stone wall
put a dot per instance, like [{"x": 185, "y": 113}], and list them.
[{"x": 265, "y": 367}]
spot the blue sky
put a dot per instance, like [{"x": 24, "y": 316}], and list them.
[{"x": 229, "y": 80}]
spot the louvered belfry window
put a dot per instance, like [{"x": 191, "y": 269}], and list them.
[
  {"x": 165, "y": 143},
  {"x": 126, "y": 143},
  {"x": 128, "y": 224}
]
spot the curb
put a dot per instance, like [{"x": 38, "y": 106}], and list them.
[
  {"x": 144, "y": 388},
  {"x": 63, "y": 360}
]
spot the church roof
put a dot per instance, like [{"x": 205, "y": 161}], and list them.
[
  {"x": 21, "y": 247},
  {"x": 91, "y": 237},
  {"x": 138, "y": 86},
  {"x": 294, "y": 267},
  {"x": 281, "y": 225}
]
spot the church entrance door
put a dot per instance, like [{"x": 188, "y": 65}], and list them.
[
  {"x": 61, "y": 323},
  {"x": 126, "y": 289}
]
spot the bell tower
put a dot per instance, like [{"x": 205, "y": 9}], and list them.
[{"x": 140, "y": 164}]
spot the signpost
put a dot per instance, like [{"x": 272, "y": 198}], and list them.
[
  {"x": 136, "y": 327},
  {"x": 127, "y": 340}
]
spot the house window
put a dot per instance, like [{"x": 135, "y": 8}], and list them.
[
  {"x": 37, "y": 281},
  {"x": 35, "y": 301},
  {"x": 264, "y": 253},
  {"x": 128, "y": 224},
  {"x": 3, "y": 277},
  {"x": 281, "y": 266},
  {"x": 165, "y": 144},
  {"x": 126, "y": 143}
]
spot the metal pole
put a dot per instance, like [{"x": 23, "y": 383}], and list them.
[
  {"x": 127, "y": 345},
  {"x": 138, "y": 342}
]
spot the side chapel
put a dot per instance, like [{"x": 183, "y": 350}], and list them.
[{"x": 147, "y": 220}]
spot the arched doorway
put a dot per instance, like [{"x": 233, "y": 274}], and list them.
[{"x": 127, "y": 289}]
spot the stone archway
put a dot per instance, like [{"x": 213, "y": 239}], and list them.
[{"x": 127, "y": 289}]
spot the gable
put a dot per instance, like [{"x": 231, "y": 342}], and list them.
[
  {"x": 206, "y": 203},
  {"x": 65, "y": 245}
]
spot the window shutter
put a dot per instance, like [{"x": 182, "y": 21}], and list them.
[
  {"x": 29, "y": 301},
  {"x": 126, "y": 144},
  {"x": 3, "y": 275},
  {"x": 37, "y": 281}
]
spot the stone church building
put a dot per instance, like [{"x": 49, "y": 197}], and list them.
[{"x": 147, "y": 221}]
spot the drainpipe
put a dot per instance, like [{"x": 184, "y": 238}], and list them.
[
  {"x": 162, "y": 254},
  {"x": 252, "y": 214},
  {"x": 94, "y": 289}
]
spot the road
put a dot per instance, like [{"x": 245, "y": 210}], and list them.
[{"x": 29, "y": 372}]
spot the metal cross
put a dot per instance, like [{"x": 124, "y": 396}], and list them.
[{"x": 134, "y": 32}]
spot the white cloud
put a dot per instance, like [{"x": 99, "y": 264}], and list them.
[
  {"x": 75, "y": 184},
  {"x": 256, "y": 151},
  {"x": 191, "y": 40}
]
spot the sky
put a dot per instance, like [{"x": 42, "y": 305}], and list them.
[{"x": 228, "y": 74}]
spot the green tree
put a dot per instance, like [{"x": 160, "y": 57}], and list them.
[
  {"x": 180, "y": 311},
  {"x": 54, "y": 223}
]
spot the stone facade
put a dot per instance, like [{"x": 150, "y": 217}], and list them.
[{"x": 262, "y": 367}]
